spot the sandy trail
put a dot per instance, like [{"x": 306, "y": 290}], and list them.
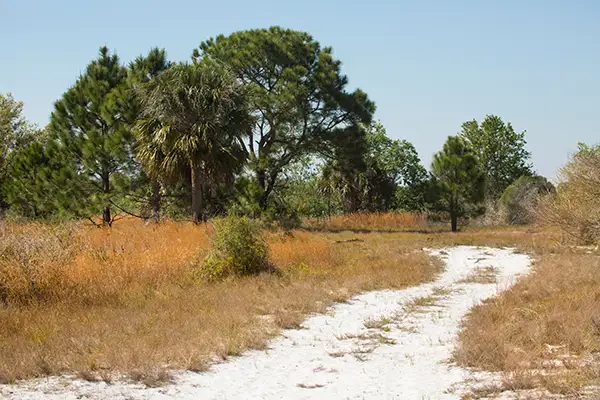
[{"x": 336, "y": 356}]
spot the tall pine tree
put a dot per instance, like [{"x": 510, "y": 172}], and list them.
[
  {"x": 91, "y": 124},
  {"x": 459, "y": 179}
]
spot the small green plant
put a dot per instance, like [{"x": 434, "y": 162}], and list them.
[{"x": 239, "y": 249}]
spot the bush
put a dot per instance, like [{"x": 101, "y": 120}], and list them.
[
  {"x": 576, "y": 206},
  {"x": 519, "y": 200},
  {"x": 239, "y": 249}
]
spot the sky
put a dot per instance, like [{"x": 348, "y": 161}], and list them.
[{"x": 428, "y": 65}]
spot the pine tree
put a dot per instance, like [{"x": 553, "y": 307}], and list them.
[
  {"x": 29, "y": 190},
  {"x": 458, "y": 178},
  {"x": 91, "y": 127}
]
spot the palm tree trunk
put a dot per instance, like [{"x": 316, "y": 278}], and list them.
[{"x": 197, "y": 200}]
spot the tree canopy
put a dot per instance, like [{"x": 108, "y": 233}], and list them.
[
  {"x": 501, "y": 152},
  {"x": 297, "y": 96},
  {"x": 91, "y": 127},
  {"x": 459, "y": 179},
  {"x": 193, "y": 118}
]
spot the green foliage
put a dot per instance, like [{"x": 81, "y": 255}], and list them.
[
  {"x": 458, "y": 179},
  {"x": 501, "y": 152},
  {"x": 147, "y": 189},
  {"x": 297, "y": 97},
  {"x": 29, "y": 191},
  {"x": 15, "y": 132},
  {"x": 91, "y": 128},
  {"x": 377, "y": 174},
  {"x": 194, "y": 118},
  {"x": 520, "y": 199},
  {"x": 239, "y": 249}
]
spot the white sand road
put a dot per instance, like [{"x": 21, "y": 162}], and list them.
[{"x": 336, "y": 356}]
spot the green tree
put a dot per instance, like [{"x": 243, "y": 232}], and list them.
[
  {"x": 15, "y": 132},
  {"x": 91, "y": 127},
  {"x": 459, "y": 179},
  {"x": 501, "y": 152},
  {"x": 297, "y": 96},
  {"x": 142, "y": 70},
  {"x": 194, "y": 118},
  {"x": 29, "y": 192},
  {"x": 399, "y": 161},
  {"x": 376, "y": 173}
]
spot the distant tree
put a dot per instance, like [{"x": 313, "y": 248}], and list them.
[
  {"x": 459, "y": 179},
  {"x": 29, "y": 191},
  {"x": 15, "y": 132},
  {"x": 376, "y": 173},
  {"x": 297, "y": 96},
  {"x": 400, "y": 162},
  {"x": 520, "y": 199},
  {"x": 91, "y": 127},
  {"x": 501, "y": 152},
  {"x": 142, "y": 70},
  {"x": 194, "y": 118}
]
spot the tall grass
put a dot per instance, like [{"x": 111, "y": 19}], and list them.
[
  {"x": 77, "y": 264},
  {"x": 125, "y": 299}
]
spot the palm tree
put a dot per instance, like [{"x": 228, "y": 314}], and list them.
[
  {"x": 141, "y": 71},
  {"x": 194, "y": 117}
]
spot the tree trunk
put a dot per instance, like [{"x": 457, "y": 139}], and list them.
[
  {"x": 156, "y": 197},
  {"x": 453, "y": 214},
  {"x": 261, "y": 178},
  {"x": 197, "y": 201},
  {"x": 453, "y": 219},
  {"x": 106, "y": 218}
]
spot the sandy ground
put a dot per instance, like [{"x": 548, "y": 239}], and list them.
[{"x": 379, "y": 345}]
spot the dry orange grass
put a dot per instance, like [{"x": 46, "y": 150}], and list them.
[
  {"x": 124, "y": 300},
  {"x": 97, "y": 301},
  {"x": 74, "y": 263},
  {"x": 390, "y": 221}
]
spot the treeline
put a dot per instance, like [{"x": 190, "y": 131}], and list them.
[{"x": 259, "y": 123}]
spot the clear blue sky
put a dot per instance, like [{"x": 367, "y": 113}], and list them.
[{"x": 429, "y": 65}]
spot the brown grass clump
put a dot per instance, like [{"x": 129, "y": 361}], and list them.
[
  {"x": 548, "y": 323},
  {"x": 483, "y": 275},
  {"x": 125, "y": 299}
]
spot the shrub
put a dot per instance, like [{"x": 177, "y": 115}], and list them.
[
  {"x": 519, "y": 200},
  {"x": 239, "y": 249},
  {"x": 576, "y": 206}
]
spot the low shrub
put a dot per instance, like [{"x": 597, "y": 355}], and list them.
[
  {"x": 239, "y": 249},
  {"x": 519, "y": 200}
]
